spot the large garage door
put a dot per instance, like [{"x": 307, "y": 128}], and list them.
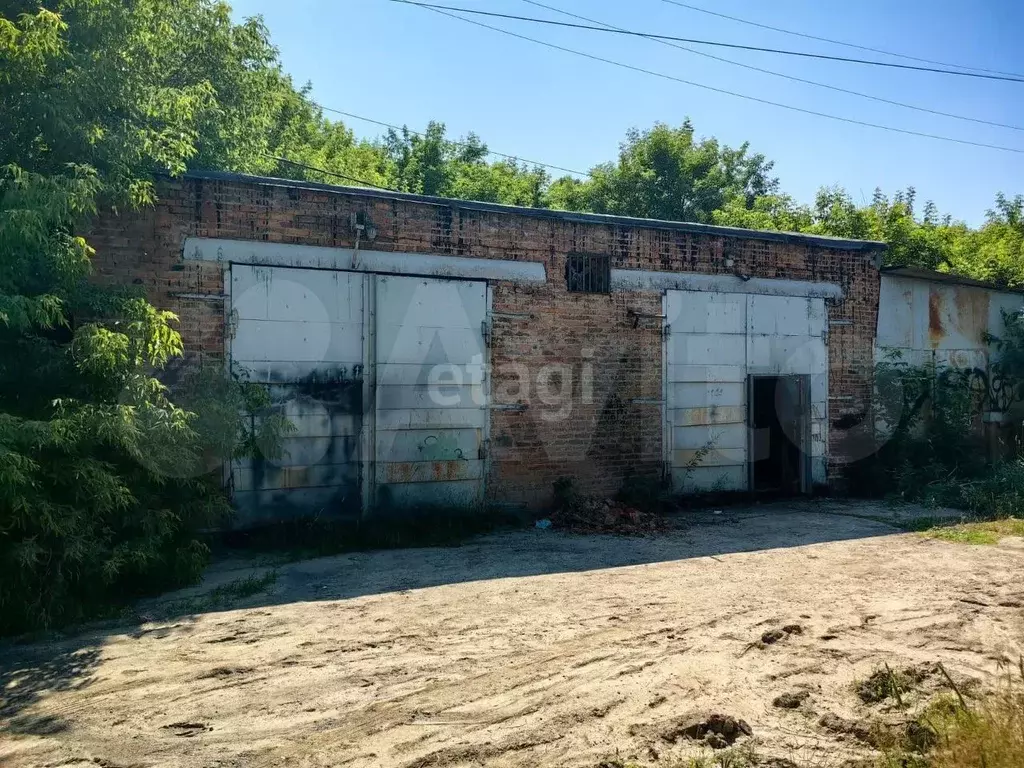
[
  {"x": 411, "y": 435},
  {"x": 714, "y": 342},
  {"x": 300, "y": 331},
  {"x": 431, "y": 393}
]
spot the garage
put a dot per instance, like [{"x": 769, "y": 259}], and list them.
[{"x": 746, "y": 380}]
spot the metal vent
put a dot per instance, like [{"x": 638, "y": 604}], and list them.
[{"x": 588, "y": 273}]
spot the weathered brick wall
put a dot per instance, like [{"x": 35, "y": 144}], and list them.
[{"x": 608, "y": 345}]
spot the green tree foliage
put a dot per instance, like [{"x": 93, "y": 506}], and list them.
[
  {"x": 431, "y": 164},
  {"x": 993, "y": 252},
  {"x": 104, "y": 481},
  {"x": 302, "y": 135},
  {"x": 996, "y": 250},
  {"x": 667, "y": 173}
]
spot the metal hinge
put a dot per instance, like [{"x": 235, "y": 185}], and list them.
[
  {"x": 485, "y": 447},
  {"x": 485, "y": 329},
  {"x": 666, "y": 330}
]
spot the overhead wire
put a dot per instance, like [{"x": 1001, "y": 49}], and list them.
[
  {"x": 790, "y": 77},
  {"x": 324, "y": 171},
  {"x": 747, "y": 97},
  {"x": 696, "y": 41},
  {"x": 833, "y": 41},
  {"x": 451, "y": 141}
]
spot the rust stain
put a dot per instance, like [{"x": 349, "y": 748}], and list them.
[
  {"x": 426, "y": 471},
  {"x": 447, "y": 470},
  {"x": 294, "y": 477},
  {"x": 712, "y": 414},
  {"x": 935, "y": 330},
  {"x": 700, "y": 415},
  {"x": 400, "y": 472},
  {"x": 972, "y": 312}
]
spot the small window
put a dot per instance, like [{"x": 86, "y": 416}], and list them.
[{"x": 588, "y": 273}]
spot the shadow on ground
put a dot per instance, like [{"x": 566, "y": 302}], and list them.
[
  {"x": 536, "y": 552},
  {"x": 30, "y": 671}
]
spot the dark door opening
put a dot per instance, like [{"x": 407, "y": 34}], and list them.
[{"x": 778, "y": 417}]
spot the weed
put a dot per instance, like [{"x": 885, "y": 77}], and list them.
[
  {"x": 742, "y": 756},
  {"x": 886, "y": 684},
  {"x": 224, "y": 595},
  {"x": 989, "y": 734},
  {"x": 979, "y": 532},
  {"x": 951, "y": 732},
  {"x": 920, "y": 524}
]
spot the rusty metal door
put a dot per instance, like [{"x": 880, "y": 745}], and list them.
[{"x": 430, "y": 391}]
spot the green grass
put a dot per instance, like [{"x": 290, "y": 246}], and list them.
[
  {"x": 224, "y": 595},
  {"x": 984, "y": 532},
  {"x": 953, "y": 732}
]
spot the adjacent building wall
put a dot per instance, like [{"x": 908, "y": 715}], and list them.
[
  {"x": 934, "y": 318},
  {"x": 615, "y": 339}
]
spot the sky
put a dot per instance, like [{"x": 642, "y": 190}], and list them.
[{"x": 406, "y": 65}]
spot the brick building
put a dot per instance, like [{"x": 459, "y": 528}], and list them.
[{"x": 441, "y": 351}]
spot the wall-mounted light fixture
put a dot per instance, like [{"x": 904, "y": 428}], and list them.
[{"x": 363, "y": 227}]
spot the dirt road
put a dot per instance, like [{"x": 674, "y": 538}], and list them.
[{"x": 529, "y": 649}]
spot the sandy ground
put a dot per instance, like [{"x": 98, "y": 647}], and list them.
[{"x": 531, "y": 648}]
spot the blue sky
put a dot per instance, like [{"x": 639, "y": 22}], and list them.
[{"x": 403, "y": 64}]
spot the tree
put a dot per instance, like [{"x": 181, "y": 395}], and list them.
[
  {"x": 103, "y": 483},
  {"x": 665, "y": 173},
  {"x": 428, "y": 163},
  {"x": 996, "y": 250}
]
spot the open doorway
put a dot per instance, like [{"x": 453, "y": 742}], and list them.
[{"x": 779, "y": 418}]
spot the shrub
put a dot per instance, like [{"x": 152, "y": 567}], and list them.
[{"x": 929, "y": 447}]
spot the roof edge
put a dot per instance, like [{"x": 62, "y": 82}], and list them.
[
  {"x": 824, "y": 241},
  {"x": 931, "y": 275}
]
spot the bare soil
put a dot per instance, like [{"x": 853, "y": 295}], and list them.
[{"x": 533, "y": 648}]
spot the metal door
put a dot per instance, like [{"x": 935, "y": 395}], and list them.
[
  {"x": 300, "y": 332},
  {"x": 705, "y": 371},
  {"x": 430, "y": 391}
]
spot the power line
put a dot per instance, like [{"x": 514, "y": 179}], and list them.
[
  {"x": 790, "y": 77},
  {"x": 838, "y": 42},
  {"x": 757, "y": 99},
  {"x": 695, "y": 41},
  {"x": 356, "y": 179},
  {"x": 450, "y": 141}
]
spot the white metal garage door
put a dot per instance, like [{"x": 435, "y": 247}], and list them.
[
  {"x": 431, "y": 394},
  {"x": 300, "y": 331},
  {"x": 411, "y": 434},
  {"x": 714, "y": 341}
]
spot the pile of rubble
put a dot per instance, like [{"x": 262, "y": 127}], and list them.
[{"x": 586, "y": 514}]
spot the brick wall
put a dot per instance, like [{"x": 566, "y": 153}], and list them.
[{"x": 608, "y": 345}]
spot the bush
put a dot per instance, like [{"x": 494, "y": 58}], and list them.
[
  {"x": 929, "y": 447},
  {"x": 108, "y": 499}
]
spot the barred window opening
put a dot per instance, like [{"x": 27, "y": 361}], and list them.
[{"x": 588, "y": 273}]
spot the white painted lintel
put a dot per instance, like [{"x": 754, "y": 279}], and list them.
[
  {"x": 259, "y": 253},
  {"x": 645, "y": 280}
]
